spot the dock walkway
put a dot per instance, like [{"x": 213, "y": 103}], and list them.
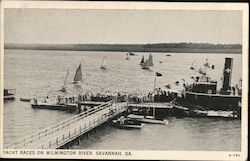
[
  {"x": 58, "y": 135},
  {"x": 151, "y": 105}
]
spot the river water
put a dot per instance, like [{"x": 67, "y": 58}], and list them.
[{"x": 42, "y": 72}]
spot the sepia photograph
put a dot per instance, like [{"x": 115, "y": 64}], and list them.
[{"x": 124, "y": 80}]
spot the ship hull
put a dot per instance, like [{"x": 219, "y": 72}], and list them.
[
  {"x": 210, "y": 101},
  {"x": 10, "y": 97}
]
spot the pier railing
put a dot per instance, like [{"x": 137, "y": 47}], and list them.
[
  {"x": 75, "y": 132},
  {"x": 56, "y": 127}
]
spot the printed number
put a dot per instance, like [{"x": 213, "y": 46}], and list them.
[{"x": 234, "y": 155}]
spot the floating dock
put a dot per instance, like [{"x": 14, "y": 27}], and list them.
[{"x": 63, "y": 107}]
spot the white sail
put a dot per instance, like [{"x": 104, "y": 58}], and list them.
[
  {"x": 146, "y": 64},
  {"x": 78, "y": 75},
  {"x": 192, "y": 66},
  {"x": 142, "y": 60},
  {"x": 63, "y": 89},
  {"x": 103, "y": 62},
  {"x": 127, "y": 58},
  {"x": 65, "y": 80},
  {"x": 150, "y": 59}
]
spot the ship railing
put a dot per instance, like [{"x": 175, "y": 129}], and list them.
[
  {"x": 75, "y": 132},
  {"x": 41, "y": 133}
]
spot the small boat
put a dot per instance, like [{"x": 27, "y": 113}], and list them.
[
  {"x": 54, "y": 106},
  {"x": 127, "y": 123},
  {"x": 147, "y": 119},
  {"x": 145, "y": 65},
  {"x": 78, "y": 74},
  {"x": 168, "y": 55},
  {"x": 102, "y": 65},
  {"x": 148, "y": 63},
  {"x": 25, "y": 99},
  {"x": 63, "y": 89},
  {"x": 225, "y": 114},
  {"x": 198, "y": 113},
  {"x": 168, "y": 86},
  {"x": 9, "y": 94},
  {"x": 192, "y": 66},
  {"x": 131, "y": 54}
]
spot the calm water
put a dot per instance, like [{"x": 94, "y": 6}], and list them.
[{"x": 42, "y": 73}]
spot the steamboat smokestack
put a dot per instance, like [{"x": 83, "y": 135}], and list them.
[{"x": 227, "y": 75}]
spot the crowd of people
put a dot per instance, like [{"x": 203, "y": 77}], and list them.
[{"x": 159, "y": 96}]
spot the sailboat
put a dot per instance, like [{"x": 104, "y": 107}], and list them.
[
  {"x": 192, "y": 66},
  {"x": 127, "y": 58},
  {"x": 142, "y": 60},
  {"x": 102, "y": 65},
  {"x": 150, "y": 59},
  {"x": 131, "y": 54},
  {"x": 63, "y": 89},
  {"x": 160, "y": 61},
  {"x": 148, "y": 63},
  {"x": 78, "y": 74},
  {"x": 145, "y": 65}
]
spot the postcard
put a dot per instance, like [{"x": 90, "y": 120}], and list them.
[{"x": 124, "y": 80}]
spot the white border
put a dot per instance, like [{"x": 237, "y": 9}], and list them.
[{"x": 138, "y": 154}]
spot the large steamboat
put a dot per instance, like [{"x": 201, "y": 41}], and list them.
[{"x": 203, "y": 93}]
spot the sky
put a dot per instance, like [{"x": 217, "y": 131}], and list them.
[{"x": 72, "y": 26}]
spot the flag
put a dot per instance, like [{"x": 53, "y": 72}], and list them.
[{"x": 158, "y": 74}]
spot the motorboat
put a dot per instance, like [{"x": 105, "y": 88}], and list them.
[
  {"x": 147, "y": 119},
  {"x": 123, "y": 122},
  {"x": 9, "y": 94}
]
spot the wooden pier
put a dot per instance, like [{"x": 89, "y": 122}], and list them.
[
  {"x": 151, "y": 105},
  {"x": 91, "y": 103},
  {"x": 66, "y": 131}
]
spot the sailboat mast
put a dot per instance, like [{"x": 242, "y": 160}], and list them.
[{"x": 66, "y": 78}]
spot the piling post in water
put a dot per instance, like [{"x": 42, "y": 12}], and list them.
[
  {"x": 79, "y": 107},
  {"x": 96, "y": 130},
  {"x": 79, "y": 141}
]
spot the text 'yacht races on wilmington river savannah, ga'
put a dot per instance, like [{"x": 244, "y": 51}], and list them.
[{"x": 122, "y": 79}]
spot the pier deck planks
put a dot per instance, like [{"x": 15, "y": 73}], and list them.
[{"x": 74, "y": 129}]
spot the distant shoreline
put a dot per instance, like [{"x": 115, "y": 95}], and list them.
[{"x": 163, "y": 47}]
